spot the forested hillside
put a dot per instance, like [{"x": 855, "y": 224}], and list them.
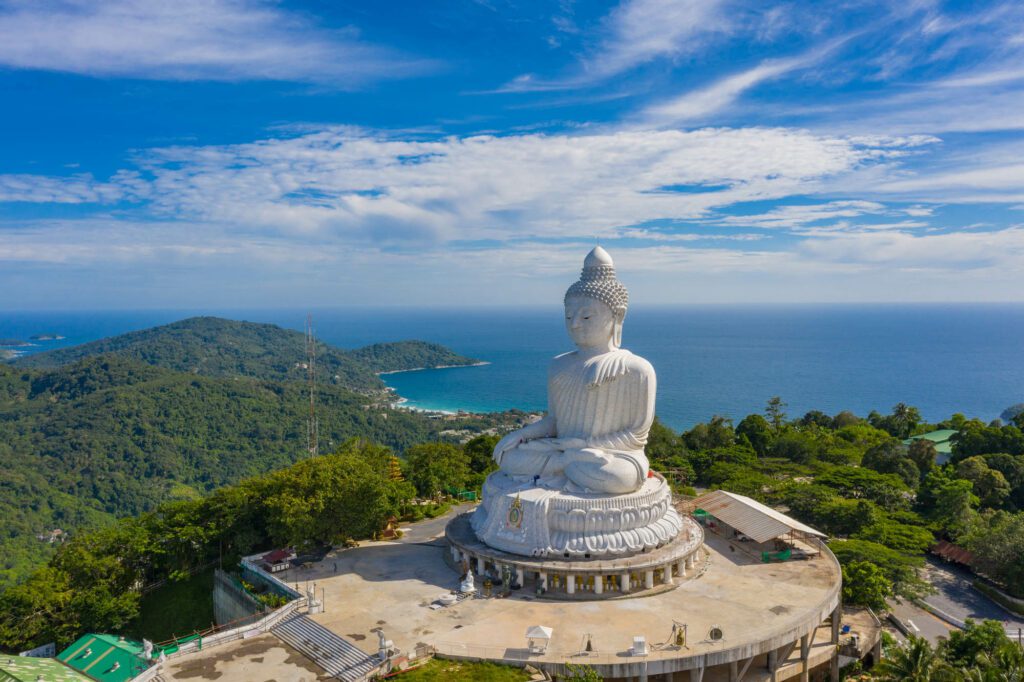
[
  {"x": 216, "y": 347},
  {"x": 175, "y": 412},
  {"x": 406, "y": 355}
]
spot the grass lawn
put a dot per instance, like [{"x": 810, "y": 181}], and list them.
[
  {"x": 175, "y": 610},
  {"x": 463, "y": 671}
]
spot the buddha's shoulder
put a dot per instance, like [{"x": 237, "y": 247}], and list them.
[
  {"x": 634, "y": 364},
  {"x": 637, "y": 364},
  {"x": 617, "y": 362},
  {"x": 560, "y": 362}
]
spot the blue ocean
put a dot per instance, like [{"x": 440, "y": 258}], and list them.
[{"x": 725, "y": 360}]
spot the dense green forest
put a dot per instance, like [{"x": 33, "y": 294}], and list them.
[
  {"x": 216, "y": 347},
  {"x": 113, "y": 435},
  {"x": 91, "y": 583},
  {"x": 882, "y": 502}
]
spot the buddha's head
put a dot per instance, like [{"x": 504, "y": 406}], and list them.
[{"x": 595, "y": 306}]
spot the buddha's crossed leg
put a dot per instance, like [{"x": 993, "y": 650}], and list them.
[{"x": 601, "y": 471}]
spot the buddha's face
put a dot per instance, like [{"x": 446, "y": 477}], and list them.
[{"x": 590, "y": 323}]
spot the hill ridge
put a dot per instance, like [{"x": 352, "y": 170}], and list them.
[{"x": 215, "y": 346}]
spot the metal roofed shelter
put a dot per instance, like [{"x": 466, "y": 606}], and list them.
[
  {"x": 30, "y": 669},
  {"x": 105, "y": 658},
  {"x": 940, "y": 438},
  {"x": 758, "y": 522}
]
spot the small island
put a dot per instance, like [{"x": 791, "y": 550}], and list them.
[
  {"x": 46, "y": 337},
  {"x": 13, "y": 343}
]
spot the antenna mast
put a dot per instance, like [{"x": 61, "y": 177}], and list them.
[{"x": 312, "y": 427}]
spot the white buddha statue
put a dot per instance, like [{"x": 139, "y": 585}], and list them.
[
  {"x": 600, "y": 399},
  {"x": 577, "y": 482}
]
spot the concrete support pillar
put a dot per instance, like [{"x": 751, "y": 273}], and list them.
[
  {"x": 570, "y": 584},
  {"x": 836, "y": 618},
  {"x": 696, "y": 674},
  {"x": 773, "y": 664},
  {"x": 667, "y": 572},
  {"x": 455, "y": 554},
  {"x": 681, "y": 568},
  {"x": 598, "y": 584},
  {"x": 649, "y": 578},
  {"x": 544, "y": 580},
  {"x": 624, "y": 583},
  {"x": 734, "y": 671},
  {"x": 805, "y": 650},
  {"x": 520, "y": 577}
]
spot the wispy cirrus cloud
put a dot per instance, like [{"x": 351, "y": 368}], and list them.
[
  {"x": 637, "y": 32},
  {"x": 219, "y": 40},
  {"x": 640, "y": 31},
  {"x": 76, "y": 189}
]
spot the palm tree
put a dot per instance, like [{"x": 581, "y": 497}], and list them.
[
  {"x": 1006, "y": 664},
  {"x": 915, "y": 662}
]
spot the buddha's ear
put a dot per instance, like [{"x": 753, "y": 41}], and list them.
[{"x": 618, "y": 316}]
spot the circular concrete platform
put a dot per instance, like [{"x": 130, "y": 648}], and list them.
[
  {"x": 642, "y": 574},
  {"x": 774, "y": 618}
]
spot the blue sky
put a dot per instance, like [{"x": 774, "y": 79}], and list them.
[{"x": 234, "y": 153}]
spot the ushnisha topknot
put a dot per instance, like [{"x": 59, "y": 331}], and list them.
[{"x": 598, "y": 281}]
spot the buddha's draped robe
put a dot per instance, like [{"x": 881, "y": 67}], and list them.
[{"x": 606, "y": 401}]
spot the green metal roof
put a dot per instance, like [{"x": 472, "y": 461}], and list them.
[
  {"x": 940, "y": 438},
  {"x": 29, "y": 669},
  {"x": 105, "y": 658}
]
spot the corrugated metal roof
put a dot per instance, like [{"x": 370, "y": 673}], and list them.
[
  {"x": 105, "y": 658},
  {"x": 758, "y": 522}
]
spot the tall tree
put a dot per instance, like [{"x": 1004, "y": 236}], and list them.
[
  {"x": 775, "y": 410},
  {"x": 436, "y": 467}
]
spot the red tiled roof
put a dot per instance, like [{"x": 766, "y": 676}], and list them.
[{"x": 277, "y": 556}]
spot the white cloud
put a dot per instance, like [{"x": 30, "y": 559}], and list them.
[
  {"x": 643, "y": 30},
  {"x": 637, "y": 32},
  {"x": 221, "y": 40},
  {"x": 799, "y": 215},
  {"x": 951, "y": 251},
  {"x": 386, "y": 190}
]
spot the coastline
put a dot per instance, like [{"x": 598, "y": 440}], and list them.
[
  {"x": 399, "y": 402},
  {"x": 420, "y": 369}
]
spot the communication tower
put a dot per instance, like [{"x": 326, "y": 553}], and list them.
[{"x": 312, "y": 426}]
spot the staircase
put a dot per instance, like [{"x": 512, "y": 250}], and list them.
[{"x": 339, "y": 657}]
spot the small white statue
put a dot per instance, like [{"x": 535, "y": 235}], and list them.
[
  {"x": 147, "y": 649},
  {"x": 600, "y": 399},
  {"x": 467, "y": 586}
]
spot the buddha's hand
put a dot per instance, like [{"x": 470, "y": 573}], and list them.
[{"x": 509, "y": 442}]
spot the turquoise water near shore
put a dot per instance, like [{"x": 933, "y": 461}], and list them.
[{"x": 710, "y": 360}]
